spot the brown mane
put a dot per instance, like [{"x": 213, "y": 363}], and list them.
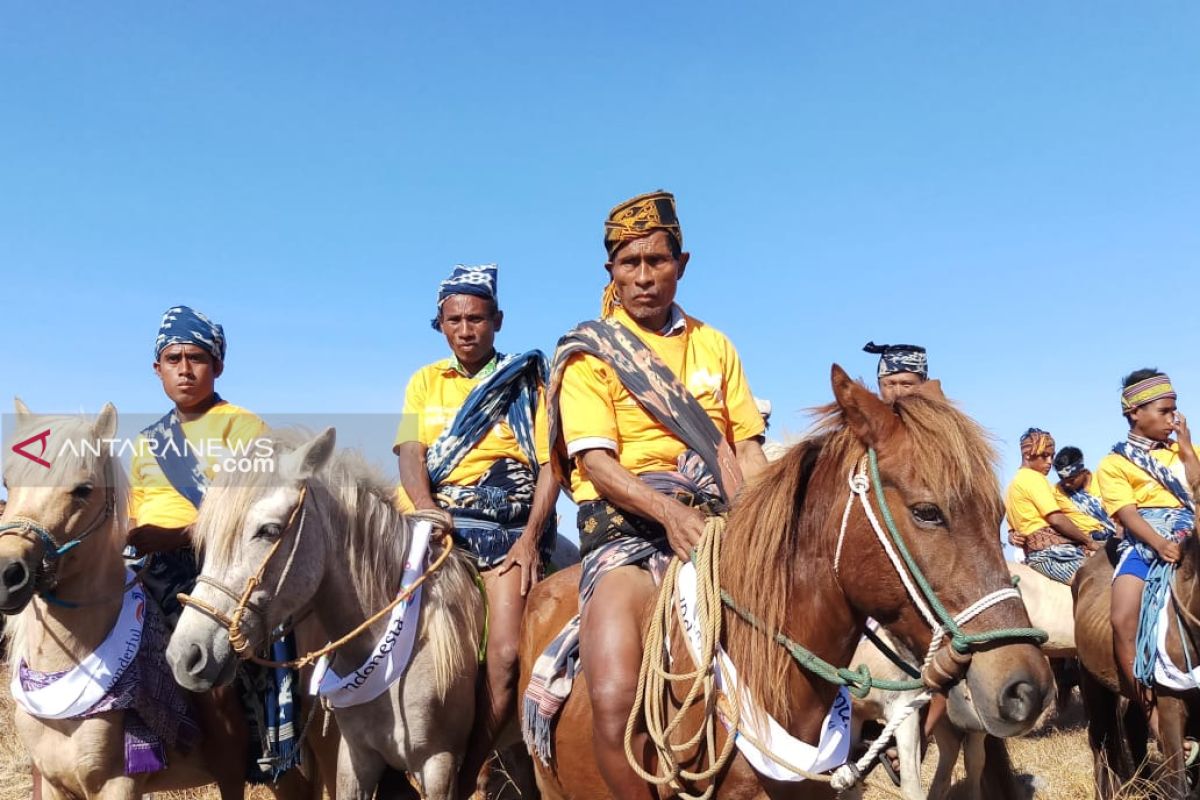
[{"x": 783, "y": 527}]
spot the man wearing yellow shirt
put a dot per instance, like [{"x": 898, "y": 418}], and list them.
[
  {"x": 173, "y": 462},
  {"x": 1144, "y": 484},
  {"x": 656, "y": 425},
  {"x": 1078, "y": 495},
  {"x": 902, "y": 368},
  {"x": 1053, "y": 544},
  {"x": 472, "y": 440}
]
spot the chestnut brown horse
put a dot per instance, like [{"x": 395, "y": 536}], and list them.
[
  {"x": 781, "y": 544},
  {"x": 1116, "y": 725}
]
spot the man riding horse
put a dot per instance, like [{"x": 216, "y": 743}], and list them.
[
  {"x": 1054, "y": 545},
  {"x": 173, "y": 462},
  {"x": 472, "y": 441},
  {"x": 647, "y": 397},
  {"x": 902, "y": 368},
  {"x": 1144, "y": 485},
  {"x": 1078, "y": 495}
]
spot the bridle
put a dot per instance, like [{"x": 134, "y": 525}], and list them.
[
  {"x": 46, "y": 577},
  {"x": 232, "y": 622}
]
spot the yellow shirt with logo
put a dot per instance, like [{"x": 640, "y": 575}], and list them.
[
  {"x": 224, "y": 431},
  {"x": 432, "y": 399},
  {"x": 1123, "y": 484},
  {"x": 1085, "y": 522},
  {"x": 598, "y": 412},
  {"x": 1030, "y": 501}
]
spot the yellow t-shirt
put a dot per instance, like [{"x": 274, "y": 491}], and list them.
[
  {"x": 225, "y": 430},
  {"x": 1085, "y": 522},
  {"x": 434, "y": 395},
  {"x": 1123, "y": 484},
  {"x": 598, "y": 412},
  {"x": 1030, "y": 501}
]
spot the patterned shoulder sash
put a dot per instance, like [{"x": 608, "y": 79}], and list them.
[
  {"x": 655, "y": 387},
  {"x": 1144, "y": 461},
  {"x": 511, "y": 392},
  {"x": 177, "y": 458}
]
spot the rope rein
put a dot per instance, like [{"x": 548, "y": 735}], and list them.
[
  {"x": 941, "y": 667},
  {"x": 240, "y": 642}
]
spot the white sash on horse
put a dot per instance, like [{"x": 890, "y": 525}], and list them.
[
  {"x": 83, "y": 687},
  {"x": 390, "y": 656},
  {"x": 1166, "y": 673},
  {"x": 831, "y": 750}
]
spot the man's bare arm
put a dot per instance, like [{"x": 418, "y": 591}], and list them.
[{"x": 414, "y": 476}]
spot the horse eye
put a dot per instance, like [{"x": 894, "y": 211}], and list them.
[
  {"x": 81, "y": 491},
  {"x": 271, "y": 530},
  {"x": 927, "y": 514}
]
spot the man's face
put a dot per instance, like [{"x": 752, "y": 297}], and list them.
[
  {"x": 897, "y": 385},
  {"x": 646, "y": 275},
  {"x": 188, "y": 374},
  {"x": 1040, "y": 462},
  {"x": 1155, "y": 420},
  {"x": 1077, "y": 481},
  {"x": 470, "y": 326}
]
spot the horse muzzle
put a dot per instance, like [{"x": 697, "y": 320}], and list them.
[
  {"x": 1005, "y": 692},
  {"x": 199, "y": 654},
  {"x": 17, "y": 585}
]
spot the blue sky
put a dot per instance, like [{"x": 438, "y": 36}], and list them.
[{"x": 1013, "y": 185}]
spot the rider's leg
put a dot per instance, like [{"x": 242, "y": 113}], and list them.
[
  {"x": 611, "y": 651},
  {"x": 495, "y": 698},
  {"x": 1126, "y": 608},
  {"x": 226, "y": 737}
]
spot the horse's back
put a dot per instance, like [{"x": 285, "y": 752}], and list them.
[
  {"x": 1049, "y": 604},
  {"x": 1093, "y": 628}
]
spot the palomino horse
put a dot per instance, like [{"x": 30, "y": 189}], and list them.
[
  {"x": 62, "y": 574},
  {"x": 1116, "y": 726},
  {"x": 936, "y": 470},
  {"x": 988, "y": 768},
  {"x": 342, "y": 549}
]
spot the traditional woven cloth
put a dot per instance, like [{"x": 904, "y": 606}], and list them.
[
  {"x": 491, "y": 515},
  {"x": 1147, "y": 391},
  {"x": 897, "y": 358},
  {"x": 177, "y": 457},
  {"x": 1091, "y": 505},
  {"x": 1058, "y": 562},
  {"x": 182, "y": 325},
  {"x": 158, "y": 716}
]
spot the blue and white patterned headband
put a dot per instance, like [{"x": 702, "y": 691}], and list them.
[
  {"x": 182, "y": 325},
  {"x": 895, "y": 358},
  {"x": 1070, "y": 469},
  {"x": 479, "y": 281}
]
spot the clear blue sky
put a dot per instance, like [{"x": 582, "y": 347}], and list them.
[{"x": 1014, "y": 185}]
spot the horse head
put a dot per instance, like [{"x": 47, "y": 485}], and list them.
[
  {"x": 941, "y": 501},
  {"x": 64, "y": 485},
  {"x": 264, "y": 557}
]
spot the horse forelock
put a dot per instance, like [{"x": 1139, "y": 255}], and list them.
[{"x": 784, "y": 525}]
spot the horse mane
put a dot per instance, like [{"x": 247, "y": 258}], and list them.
[
  {"x": 21, "y": 471},
  {"x": 353, "y": 500},
  {"x": 783, "y": 525}
]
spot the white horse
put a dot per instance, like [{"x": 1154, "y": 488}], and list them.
[
  {"x": 342, "y": 548},
  {"x": 1049, "y": 606},
  {"x": 63, "y": 577}
]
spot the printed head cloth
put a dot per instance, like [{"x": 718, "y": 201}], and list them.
[
  {"x": 637, "y": 217},
  {"x": 479, "y": 281},
  {"x": 182, "y": 325},
  {"x": 1069, "y": 463},
  {"x": 1036, "y": 442},
  {"x": 896, "y": 358},
  {"x": 1147, "y": 391}
]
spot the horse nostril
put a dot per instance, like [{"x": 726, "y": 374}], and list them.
[
  {"x": 15, "y": 576},
  {"x": 195, "y": 661},
  {"x": 1019, "y": 702}
]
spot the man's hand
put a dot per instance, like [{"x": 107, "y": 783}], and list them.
[
  {"x": 1168, "y": 549},
  {"x": 153, "y": 539},
  {"x": 1017, "y": 539},
  {"x": 1093, "y": 547},
  {"x": 524, "y": 554},
  {"x": 1182, "y": 434},
  {"x": 684, "y": 526}
]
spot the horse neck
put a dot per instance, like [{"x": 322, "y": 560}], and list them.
[
  {"x": 92, "y": 577},
  {"x": 347, "y": 598}
]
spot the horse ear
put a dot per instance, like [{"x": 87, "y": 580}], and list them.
[
  {"x": 22, "y": 410},
  {"x": 308, "y": 459},
  {"x": 869, "y": 417},
  {"x": 932, "y": 389},
  {"x": 106, "y": 424}
]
